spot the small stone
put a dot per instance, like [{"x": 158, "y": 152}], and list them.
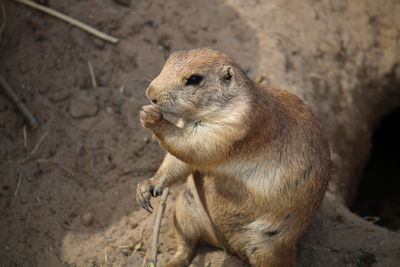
[
  {"x": 87, "y": 219},
  {"x": 134, "y": 225},
  {"x": 123, "y": 2},
  {"x": 83, "y": 105}
]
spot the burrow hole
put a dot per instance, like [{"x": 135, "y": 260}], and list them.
[{"x": 378, "y": 197}]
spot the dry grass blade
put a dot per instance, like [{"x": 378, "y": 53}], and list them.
[
  {"x": 70, "y": 20},
  {"x": 24, "y": 134},
  {"x": 19, "y": 183},
  {"x": 38, "y": 144},
  {"x": 18, "y": 102},
  {"x": 92, "y": 76},
  {"x": 3, "y": 13},
  {"x": 71, "y": 173}
]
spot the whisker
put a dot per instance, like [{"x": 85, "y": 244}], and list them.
[{"x": 150, "y": 78}]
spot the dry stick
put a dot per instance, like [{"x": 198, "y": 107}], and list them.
[
  {"x": 25, "y": 136},
  {"x": 92, "y": 76},
  {"x": 38, "y": 200},
  {"x": 314, "y": 75},
  {"x": 38, "y": 144},
  {"x": 105, "y": 255},
  {"x": 3, "y": 13},
  {"x": 19, "y": 183},
  {"x": 113, "y": 73},
  {"x": 144, "y": 261},
  {"x": 317, "y": 248},
  {"x": 71, "y": 173},
  {"x": 33, "y": 151},
  {"x": 20, "y": 105},
  {"x": 70, "y": 20},
  {"x": 156, "y": 229}
]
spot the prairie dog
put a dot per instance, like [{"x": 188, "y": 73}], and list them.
[{"x": 255, "y": 159}]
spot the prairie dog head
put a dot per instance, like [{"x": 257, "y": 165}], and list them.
[{"x": 195, "y": 83}]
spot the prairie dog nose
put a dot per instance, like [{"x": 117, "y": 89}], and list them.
[{"x": 151, "y": 94}]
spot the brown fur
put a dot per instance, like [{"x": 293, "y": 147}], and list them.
[{"x": 256, "y": 158}]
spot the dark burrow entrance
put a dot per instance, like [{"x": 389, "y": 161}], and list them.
[{"x": 378, "y": 196}]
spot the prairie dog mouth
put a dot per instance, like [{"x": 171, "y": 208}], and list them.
[{"x": 167, "y": 109}]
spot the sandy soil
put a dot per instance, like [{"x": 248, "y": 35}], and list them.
[{"x": 67, "y": 194}]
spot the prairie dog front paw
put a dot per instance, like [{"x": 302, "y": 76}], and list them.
[
  {"x": 150, "y": 116},
  {"x": 144, "y": 191}
]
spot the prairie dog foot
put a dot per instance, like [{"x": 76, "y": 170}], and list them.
[{"x": 144, "y": 191}]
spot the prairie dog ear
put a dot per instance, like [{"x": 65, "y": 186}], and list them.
[{"x": 227, "y": 72}]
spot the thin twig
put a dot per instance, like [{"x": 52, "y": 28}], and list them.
[
  {"x": 317, "y": 248},
  {"x": 141, "y": 234},
  {"x": 25, "y": 136},
  {"x": 3, "y": 13},
  {"x": 121, "y": 90},
  {"x": 70, "y": 20},
  {"x": 92, "y": 76},
  {"x": 19, "y": 183},
  {"x": 342, "y": 227},
  {"x": 106, "y": 255},
  {"x": 314, "y": 75},
  {"x": 113, "y": 73},
  {"x": 38, "y": 145},
  {"x": 71, "y": 173},
  {"x": 20, "y": 105},
  {"x": 38, "y": 201},
  {"x": 156, "y": 229},
  {"x": 144, "y": 262},
  {"x": 33, "y": 151},
  {"x": 334, "y": 46},
  {"x": 371, "y": 219}
]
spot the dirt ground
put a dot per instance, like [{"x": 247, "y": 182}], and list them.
[{"x": 67, "y": 190}]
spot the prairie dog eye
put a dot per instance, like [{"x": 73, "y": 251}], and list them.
[{"x": 194, "y": 79}]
